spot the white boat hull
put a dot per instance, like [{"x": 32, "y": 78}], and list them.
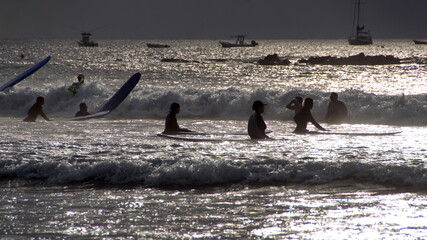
[{"x": 364, "y": 38}]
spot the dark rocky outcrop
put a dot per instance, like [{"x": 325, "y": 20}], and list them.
[
  {"x": 273, "y": 59},
  {"x": 177, "y": 60},
  {"x": 359, "y": 59}
]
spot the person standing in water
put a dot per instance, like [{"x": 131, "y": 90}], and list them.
[
  {"x": 83, "y": 110},
  {"x": 256, "y": 124},
  {"x": 337, "y": 110},
  {"x": 171, "y": 124},
  {"x": 36, "y": 110},
  {"x": 304, "y": 116},
  {"x": 295, "y": 104}
]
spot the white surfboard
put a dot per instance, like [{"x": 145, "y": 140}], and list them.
[
  {"x": 90, "y": 116},
  {"x": 355, "y": 133}
]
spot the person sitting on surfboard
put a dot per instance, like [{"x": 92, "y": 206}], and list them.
[
  {"x": 256, "y": 124},
  {"x": 304, "y": 116},
  {"x": 295, "y": 104},
  {"x": 36, "y": 110},
  {"x": 75, "y": 86},
  {"x": 337, "y": 110},
  {"x": 83, "y": 110},
  {"x": 171, "y": 124}
]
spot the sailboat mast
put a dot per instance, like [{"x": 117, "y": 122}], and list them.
[
  {"x": 355, "y": 16},
  {"x": 358, "y": 12}
]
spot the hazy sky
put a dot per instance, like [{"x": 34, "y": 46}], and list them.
[{"x": 209, "y": 19}]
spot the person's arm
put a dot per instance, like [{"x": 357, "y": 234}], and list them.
[
  {"x": 262, "y": 126},
  {"x": 328, "y": 113},
  {"x": 44, "y": 116},
  {"x": 315, "y": 123},
  {"x": 345, "y": 111},
  {"x": 291, "y": 105}
]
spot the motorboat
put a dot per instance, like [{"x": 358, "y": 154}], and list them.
[{"x": 86, "y": 42}]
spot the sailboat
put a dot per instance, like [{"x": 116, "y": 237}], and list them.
[
  {"x": 240, "y": 42},
  {"x": 360, "y": 36}
]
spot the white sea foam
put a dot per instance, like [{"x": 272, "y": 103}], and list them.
[
  {"x": 202, "y": 173},
  {"x": 231, "y": 103}
]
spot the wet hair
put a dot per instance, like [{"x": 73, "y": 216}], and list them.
[
  {"x": 308, "y": 101},
  {"x": 40, "y": 99},
  {"x": 83, "y": 105},
  {"x": 174, "y": 106},
  {"x": 257, "y": 104},
  {"x": 299, "y": 99}
]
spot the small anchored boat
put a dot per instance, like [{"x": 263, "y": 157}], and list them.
[
  {"x": 86, "y": 42},
  {"x": 360, "y": 37},
  {"x": 240, "y": 42},
  {"x": 157, "y": 45},
  {"x": 420, "y": 41}
]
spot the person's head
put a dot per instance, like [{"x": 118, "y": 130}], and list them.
[
  {"x": 308, "y": 103},
  {"x": 299, "y": 99},
  {"x": 40, "y": 100},
  {"x": 81, "y": 78},
  {"x": 83, "y": 106},
  {"x": 258, "y": 106},
  {"x": 174, "y": 108},
  {"x": 334, "y": 96}
]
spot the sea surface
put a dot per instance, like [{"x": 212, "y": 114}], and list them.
[{"x": 114, "y": 178}]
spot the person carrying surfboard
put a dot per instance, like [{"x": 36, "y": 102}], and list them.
[
  {"x": 256, "y": 124},
  {"x": 83, "y": 110},
  {"x": 36, "y": 110},
  {"x": 304, "y": 116},
  {"x": 171, "y": 124}
]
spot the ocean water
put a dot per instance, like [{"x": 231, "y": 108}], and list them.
[{"x": 114, "y": 178}]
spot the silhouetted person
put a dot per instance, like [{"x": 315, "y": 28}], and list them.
[
  {"x": 75, "y": 86},
  {"x": 83, "y": 110},
  {"x": 304, "y": 116},
  {"x": 256, "y": 124},
  {"x": 295, "y": 104},
  {"x": 171, "y": 124},
  {"x": 337, "y": 111},
  {"x": 36, "y": 110}
]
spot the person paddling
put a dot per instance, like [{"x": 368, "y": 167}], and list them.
[
  {"x": 36, "y": 110},
  {"x": 171, "y": 124},
  {"x": 256, "y": 124},
  {"x": 304, "y": 116}
]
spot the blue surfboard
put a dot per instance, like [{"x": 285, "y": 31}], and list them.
[
  {"x": 121, "y": 94},
  {"x": 115, "y": 100},
  {"x": 25, "y": 74}
]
